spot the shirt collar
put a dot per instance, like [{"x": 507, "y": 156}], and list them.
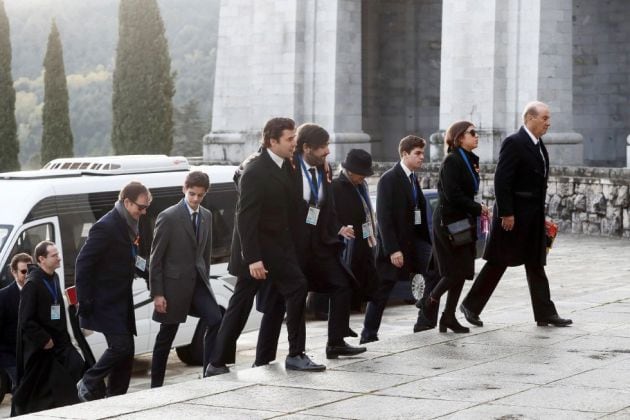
[
  {"x": 531, "y": 136},
  {"x": 277, "y": 159},
  {"x": 18, "y": 285},
  {"x": 190, "y": 210},
  {"x": 407, "y": 170}
]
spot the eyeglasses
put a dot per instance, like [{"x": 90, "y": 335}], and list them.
[
  {"x": 140, "y": 206},
  {"x": 473, "y": 132},
  {"x": 24, "y": 271}
]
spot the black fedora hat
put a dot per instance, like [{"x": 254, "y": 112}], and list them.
[{"x": 358, "y": 161}]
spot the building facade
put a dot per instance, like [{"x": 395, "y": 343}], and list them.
[{"x": 373, "y": 71}]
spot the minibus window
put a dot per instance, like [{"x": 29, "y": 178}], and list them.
[
  {"x": 5, "y": 230},
  {"x": 26, "y": 242}
]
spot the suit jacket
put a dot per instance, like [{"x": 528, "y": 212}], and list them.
[
  {"x": 178, "y": 259},
  {"x": 9, "y": 303},
  {"x": 262, "y": 229},
  {"x": 396, "y": 230},
  {"x": 105, "y": 270},
  {"x": 520, "y": 186}
]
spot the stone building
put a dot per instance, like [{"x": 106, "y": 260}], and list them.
[{"x": 372, "y": 71}]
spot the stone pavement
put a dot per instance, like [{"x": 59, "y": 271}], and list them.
[{"x": 509, "y": 369}]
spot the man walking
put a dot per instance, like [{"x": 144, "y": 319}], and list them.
[
  {"x": 263, "y": 249},
  {"x": 9, "y": 303},
  {"x": 105, "y": 269},
  {"x": 517, "y": 236},
  {"x": 404, "y": 244},
  {"x": 180, "y": 272},
  {"x": 48, "y": 366}
]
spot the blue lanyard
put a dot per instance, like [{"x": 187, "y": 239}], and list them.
[
  {"x": 414, "y": 189},
  {"x": 314, "y": 187},
  {"x": 53, "y": 292},
  {"x": 362, "y": 191},
  {"x": 461, "y": 152}
]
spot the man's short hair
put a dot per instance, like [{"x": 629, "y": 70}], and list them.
[
  {"x": 408, "y": 143},
  {"x": 41, "y": 249},
  {"x": 133, "y": 190},
  {"x": 197, "y": 179},
  {"x": 532, "y": 109},
  {"x": 313, "y": 135},
  {"x": 22, "y": 257},
  {"x": 274, "y": 127}
]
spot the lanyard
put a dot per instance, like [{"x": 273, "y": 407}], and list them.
[
  {"x": 314, "y": 187},
  {"x": 461, "y": 152},
  {"x": 134, "y": 247},
  {"x": 53, "y": 291},
  {"x": 414, "y": 189},
  {"x": 367, "y": 208}
]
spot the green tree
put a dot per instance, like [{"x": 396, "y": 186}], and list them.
[
  {"x": 57, "y": 133},
  {"x": 189, "y": 130},
  {"x": 143, "y": 88},
  {"x": 9, "y": 146}
]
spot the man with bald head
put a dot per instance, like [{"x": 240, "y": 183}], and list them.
[{"x": 517, "y": 236}]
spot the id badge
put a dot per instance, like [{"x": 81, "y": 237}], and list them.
[
  {"x": 366, "y": 230},
  {"x": 141, "y": 263},
  {"x": 417, "y": 217},
  {"x": 55, "y": 312},
  {"x": 312, "y": 216}
]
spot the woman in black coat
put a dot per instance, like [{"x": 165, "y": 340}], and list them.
[{"x": 457, "y": 186}]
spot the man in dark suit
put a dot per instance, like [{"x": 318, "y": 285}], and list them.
[
  {"x": 180, "y": 272},
  {"x": 317, "y": 234},
  {"x": 48, "y": 365},
  {"x": 105, "y": 269},
  {"x": 404, "y": 244},
  {"x": 517, "y": 235},
  {"x": 263, "y": 249},
  {"x": 9, "y": 303}
]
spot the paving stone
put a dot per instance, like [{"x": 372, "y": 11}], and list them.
[
  {"x": 338, "y": 380},
  {"x": 384, "y": 407},
  {"x": 194, "y": 411},
  {"x": 272, "y": 398},
  {"x": 508, "y": 412}
]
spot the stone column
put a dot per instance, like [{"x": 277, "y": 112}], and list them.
[
  {"x": 497, "y": 55},
  {"x": 294, "y": 58},
  {"x": 628, "y": 151}
]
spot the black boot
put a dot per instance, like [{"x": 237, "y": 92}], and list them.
[{"x": 448, "y": 321}]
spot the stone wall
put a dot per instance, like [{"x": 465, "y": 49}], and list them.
[{"x": 590, "y": 201}]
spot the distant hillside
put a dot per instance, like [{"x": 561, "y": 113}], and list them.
[{"x": 89, "y": 33}]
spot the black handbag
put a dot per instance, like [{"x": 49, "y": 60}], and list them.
[{"x": 460, "y": 232}]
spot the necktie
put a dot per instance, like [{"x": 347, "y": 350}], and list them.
[
  {"x": 313, "y": 199},
  {"x": 194, "y": 222},
  {"x": 414, "y": 188}
]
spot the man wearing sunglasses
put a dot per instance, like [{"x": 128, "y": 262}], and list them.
[
  {"x": 105, "y": 269},
  {"x": 9, "y": 302}
]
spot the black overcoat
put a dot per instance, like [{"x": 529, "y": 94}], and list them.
[
  {"x": 350, "y": 211},
  {"x": 9, "y": 302},
  {"x": 46, "y": 378},
  {"x": 395, "y": 225},
  {"x": 520, "y": 186},
  {"x": 105, "y": 270},
  {"x": 456, "y": 192}
]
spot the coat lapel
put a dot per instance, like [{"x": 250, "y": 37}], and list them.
[
  {"x": 121, "y": 223},
  {"x": 405, "y": 183},
  {"x": 273, "y": 170},
  {"x": 184, "y": 216}
]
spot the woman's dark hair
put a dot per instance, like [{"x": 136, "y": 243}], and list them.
[{"x": 455, "y": 133}]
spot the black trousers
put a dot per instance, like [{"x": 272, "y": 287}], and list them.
[
  {"x": 238, "y": 311},
  {"x": 268, "y": 336},
  {"x": 376, "y": 306},
  {"x": 489, "y": 277},
  {"x": 205, "y": 307},
  {"x": 116, "y": 363}
]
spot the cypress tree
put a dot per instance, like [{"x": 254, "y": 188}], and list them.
[
  {"x": 9, "y": 146},
  {"x": 57, "y": 134},
  {"x": 143, "y": 84}
]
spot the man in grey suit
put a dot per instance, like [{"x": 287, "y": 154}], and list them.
[{"x": 180, "y": 271}]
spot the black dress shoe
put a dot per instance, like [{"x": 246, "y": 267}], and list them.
[
  {"x": 256, "y": 364},
  {"x": 302, "y": 363},
  {"x": 351, "y": 333},
  {"x": 368, "y": 339},
  {"x": 215, "y": 370},
  {"x": 470, "y": 316},
  {"x": 555, "y": 320},
  {"x": 84, "y": 393},
  {"x": 343, "y": 349}
]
